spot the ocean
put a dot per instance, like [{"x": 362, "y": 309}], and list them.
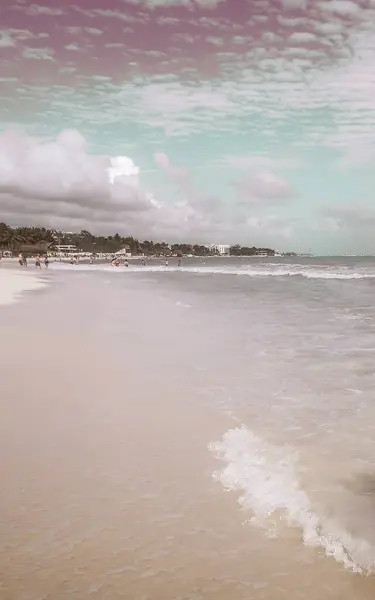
[{"x": 203, "y": 432}]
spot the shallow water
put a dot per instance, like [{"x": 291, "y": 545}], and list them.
[{"x": 147, "y": 392}]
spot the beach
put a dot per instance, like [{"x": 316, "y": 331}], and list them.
[{"x": 134, "y": 399}]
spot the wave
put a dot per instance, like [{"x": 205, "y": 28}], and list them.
[
  {"x": 309, "y": 272},
  {"x": 267, "y": 479}
]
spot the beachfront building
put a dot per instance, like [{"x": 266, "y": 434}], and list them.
[
  {"x": 221, "y": 249},
  {"x": 66, "y": 249},
  {"x": 124, "y": 252}
]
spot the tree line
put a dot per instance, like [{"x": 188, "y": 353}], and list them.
[{"x": 18, "y": 238}]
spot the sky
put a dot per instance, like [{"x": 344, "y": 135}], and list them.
[{"x": 240, "y": 121}]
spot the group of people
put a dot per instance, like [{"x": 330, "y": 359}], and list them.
[
  {"x": 22, "y": 260},
  {"x": 116, "y": 262}
]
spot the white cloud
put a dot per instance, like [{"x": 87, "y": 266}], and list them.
[
  {"x": 37, "y": 9},
  {"x": 73, "y": 47},
  {"x": 93, "y": 30},
  {"x": 344, "y": 8},
  {"x": 216, "y": 41},
  {"x": 302, "y": 37},
  {"x": 9, "y": 38},
  {"x": 38, "y": 53},
  {"x": 62, "y": 171},
  {"x": 6, "y": 41},
  {"x": 190, "y": 4}
]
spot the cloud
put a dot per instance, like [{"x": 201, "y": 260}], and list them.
[
  {"x": 61, "y": 175},
  {"x": 58, "y": 183},
  {"x": 38, "y": 53},
  {"x": 6, "y": 40},
  {"x": 343, "y": 8},
  {"x": 73, "y": 47},
  {"x": 264, "y": 188},
  {"x": 311, "y": 56},
  {"x": 36, "y": 9},
  {"x": 9, "y": 38},
  {"x": 189, "y": 4}
]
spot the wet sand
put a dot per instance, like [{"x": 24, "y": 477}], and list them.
[{"x": 106, "y": 478}]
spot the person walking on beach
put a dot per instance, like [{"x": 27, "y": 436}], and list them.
[
  {"x": 20, "y": 259},
  {"x": 166, "y": 262},
  {"x": 46, "y": 261},
  {"x": 37, "y": 262},
  {"x": 179, "y": 262}
]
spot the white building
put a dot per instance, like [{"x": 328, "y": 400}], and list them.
[
  {"x": 66, "y": 248},
  {"x": 124, "y": 252},
  {"x": 222, "y": 249}
]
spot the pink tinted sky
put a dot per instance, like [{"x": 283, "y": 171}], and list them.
[{"x": 162, "y": 37}]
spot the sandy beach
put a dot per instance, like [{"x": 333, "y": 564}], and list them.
[{"x": 108, "y": 486}]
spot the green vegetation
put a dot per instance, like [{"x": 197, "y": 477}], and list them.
[
  {"x": 245, "y": 251},
  {"x": 40, "y": 239}
]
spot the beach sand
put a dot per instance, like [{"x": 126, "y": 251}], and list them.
[{"x": 106, "y": 477}]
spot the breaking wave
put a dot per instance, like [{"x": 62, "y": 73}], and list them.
[
  {"x": 261, "y": 270},
  {"x": 267, "y": 480}
]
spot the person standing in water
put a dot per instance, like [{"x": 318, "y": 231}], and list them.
[
  {"x": 126, "y": 263},
  {"x": 20, "y": 259},
  {"x": 46, "y": 261},
  {"x": 166, "y": 262},
  {"x": 179, "y": 262},
  {"x": 37, "y": 261}
]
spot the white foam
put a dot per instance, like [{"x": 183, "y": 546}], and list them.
[
  {"x": 264, "y": 270},
  {"x": 14, "y": 283},
  {"x": 267, "y": 478},
  {"x": 182, "y": 304}
]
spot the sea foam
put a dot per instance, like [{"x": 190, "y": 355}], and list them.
[
  {"x": 267, "y": 480},
  {"x": 14, "y": 283},
  {"x": 263, "y": 270}
]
